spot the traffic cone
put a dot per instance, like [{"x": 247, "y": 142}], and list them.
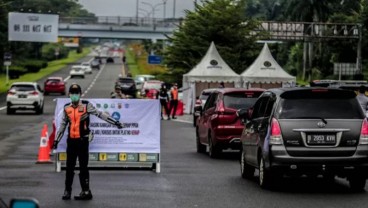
[
  {"x": 43, "y": 152},
  {"x": 52, "y": 137}
]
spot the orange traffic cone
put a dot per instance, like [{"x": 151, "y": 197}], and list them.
[{"x": 43, "y": 152}]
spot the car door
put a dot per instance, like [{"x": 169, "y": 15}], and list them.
[
  {"x": 251, "y": 140},
  {"x": 204, "y": 122}
]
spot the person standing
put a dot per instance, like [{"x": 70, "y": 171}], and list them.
[
  {"x": 76, "y": 117},
  {"x": 363, "y": 99},
  {"x": 164, "y": 99},
  {"x": 174, "y": 100},
  {"x": 118, "y": 94}
]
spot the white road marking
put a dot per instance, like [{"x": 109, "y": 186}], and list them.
[
  {"x": 2, "y": 108},
  {"x": 67, "y": 78},
  {"x": 182, "y": 121}
]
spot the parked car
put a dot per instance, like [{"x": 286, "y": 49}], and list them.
[
  {"x": 149, "y": 87},
  {"x": 87, "y": 67},
  {"x": 311, "y": 131},
  {"x": 200, "y": 101},
  {"x": 24, "y": 96},
  {"x": 218, "y": 127},
  {"x": 77, "y": 71},
  {"x": 127, "y": 85},
  {"x": 141, "y": 78},
  {"x": 54, "y": 85}
]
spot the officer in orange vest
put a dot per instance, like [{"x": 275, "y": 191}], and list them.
[
  {"x": 76, "y": 117},
  {"x": 174, "y": 100}
]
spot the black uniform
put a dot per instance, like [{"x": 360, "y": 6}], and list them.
[{"x": 164, "y": 98}]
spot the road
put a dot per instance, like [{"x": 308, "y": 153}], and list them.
[{"x": 187, "y": 179}]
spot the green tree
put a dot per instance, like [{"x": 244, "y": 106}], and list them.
[{"x": 221, "y": 21}]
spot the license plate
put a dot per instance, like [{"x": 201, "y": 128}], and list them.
[
  {"x": 321, "y": 139},
  {"x": 22, "y": 96}
]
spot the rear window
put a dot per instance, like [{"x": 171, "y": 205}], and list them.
[
  {"x": 23, "y": 88},
  {"x": 332, "y": 108},
  {"x": 124, "y": 80},
  {"x": 53, "y": 80},
  {"x": 155, "y": 85},
  {"x": 243, "y": 100}
]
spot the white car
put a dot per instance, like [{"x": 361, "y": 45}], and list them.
[
  {"x": 87, "y": 67},
  {"x": 24, "y": 96},
  {"x": 77, "y": 71}
]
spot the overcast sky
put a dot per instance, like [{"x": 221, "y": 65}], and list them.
[{"x": 128, "y": 8}]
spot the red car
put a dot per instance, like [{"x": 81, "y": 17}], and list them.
[
  {"x": 218, "y": 126},
  {"x": 151, "y": 88},
  {"x": 54, "y": 85}
]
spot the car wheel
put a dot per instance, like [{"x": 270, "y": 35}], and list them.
[
  {"x": 82, "y": 77},
  {"x": 246, "y": 170},
  {"x": 200, "y": 147},
  {"x": 71, "y": 77},
  {"x": 63, "y": 93},
  {"x": 194, "y": 120},
  {"x": 214, "y": 151},
  {"x": 357, "y": 182},
  {"x": 265, "y": 176},
  {"x": 45, "y": 93},
  {"x": 10, "y": 111},
  {"x": 39, "y": 110}
]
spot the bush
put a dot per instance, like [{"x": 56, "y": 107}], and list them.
[
  {"x": 16, "y": 71},
  {"x": 34, "y": 65},
  {"x": 48, "y": 51}
]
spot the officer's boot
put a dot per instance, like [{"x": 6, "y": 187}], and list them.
[
  {"x": 67, "y": 194},
  {"x": 86, "y": 193}
]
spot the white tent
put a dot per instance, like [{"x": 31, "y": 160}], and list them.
[
  {"x": 265, "y": 72},
  {"x": 207, "y": 74}
]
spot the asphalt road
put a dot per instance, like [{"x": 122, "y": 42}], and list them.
[{"x": 187, "y": 179}]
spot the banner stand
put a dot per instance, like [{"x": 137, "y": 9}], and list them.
[{"x": 115, "y": 160}]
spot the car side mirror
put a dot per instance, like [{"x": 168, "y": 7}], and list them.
[{"x": 24, "y": 203}]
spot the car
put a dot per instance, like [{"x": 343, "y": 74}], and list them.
[
  {"x": 110, "y": 60},
  {"x": 54, "y": 85},
  {"x": 141, "y": 78},
  {"x": 20, "y": 203},
  {"x": 149, "y": 87},
  {"x": 218, "y": 126},
  {"x": 200, "y": 101},
  {"x": 77, "y": 71},
  {"x": 305, "y": 131},
  {"x": 127, "y": 85},
  {"x": 95, "y": 64},
  {"x": 87, "y": 67},
  {"x": 24, "y": 96}
]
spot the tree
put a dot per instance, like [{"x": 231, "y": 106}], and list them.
[{"x": 221, "y": 21}]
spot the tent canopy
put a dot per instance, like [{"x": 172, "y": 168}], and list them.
[
  {"x": 212, "y": 68},
  {"x": 265, "y": 69}
]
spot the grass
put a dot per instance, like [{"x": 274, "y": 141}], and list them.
[
  {"x": 132, "y": 64},
  {"x": 53, "y": 66}
]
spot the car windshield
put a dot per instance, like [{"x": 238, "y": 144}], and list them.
[
  {"x": 76, "y": 68},
  {"x": 85, "y": 64},
  {"x": 53, "y": 81},
  {"x": 23, "y": 88},
  {"x": 323, "y": 108},
  {"x": 204, "y": 96},
  {"x": 239, "y": 100}
]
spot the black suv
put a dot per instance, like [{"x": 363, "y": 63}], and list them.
[
  {"x": 128, "y": 86},
  {"x": 305, "y": 131}
]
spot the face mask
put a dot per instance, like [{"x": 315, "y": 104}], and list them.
[{"x": 74, "y": 97}]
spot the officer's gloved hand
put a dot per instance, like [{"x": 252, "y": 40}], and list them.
[
  {"x": 118, "y": 124},
  {"x": 55, "y": 145}
]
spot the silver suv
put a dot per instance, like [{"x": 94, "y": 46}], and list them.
[
  {"x": 25, "y": 96},
  {"x": 305, "y": 131}
]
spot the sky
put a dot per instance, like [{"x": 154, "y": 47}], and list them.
[{"x": 128, "y": 8}]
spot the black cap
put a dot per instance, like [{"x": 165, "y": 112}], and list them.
[{"x": 75, "y": 89}]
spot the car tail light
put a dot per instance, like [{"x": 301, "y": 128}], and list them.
[
  {"x": 11, "y": 93},
  {"x": 33, "y": 93},
  {"x": 275, "y": 138},
  {"x": 364, "y": 133}
]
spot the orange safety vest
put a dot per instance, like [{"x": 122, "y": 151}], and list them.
[
  {"x": 174, "y": 94},
  {"x": 79, "y": 121}
]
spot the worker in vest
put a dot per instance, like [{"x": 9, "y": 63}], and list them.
[
  {"x": 174, "y": 100},
  {"x": 76, "y": 117}
]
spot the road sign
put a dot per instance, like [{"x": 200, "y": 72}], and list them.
[
  {"x": 7, "y": 63},
  {"x": 7, "y": 56},
  {"x": 152, "y": 59}
]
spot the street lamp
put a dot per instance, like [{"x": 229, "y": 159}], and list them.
[
  {"x": 153, "y": 7},
  {"x": 164, "y": 2}
]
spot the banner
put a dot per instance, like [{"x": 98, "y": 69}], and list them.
[
  {"x": 140, "y": 132},
  {"x": 33, "y": 27},
  {"x": 69, "y": 42}
]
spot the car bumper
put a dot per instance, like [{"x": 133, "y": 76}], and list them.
[
  {"x": 51, "y": 89},
  {"x": 228, "y": 137},
  {"x": 23, "y": 104},
  {"x": 279, "y": 159}
]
